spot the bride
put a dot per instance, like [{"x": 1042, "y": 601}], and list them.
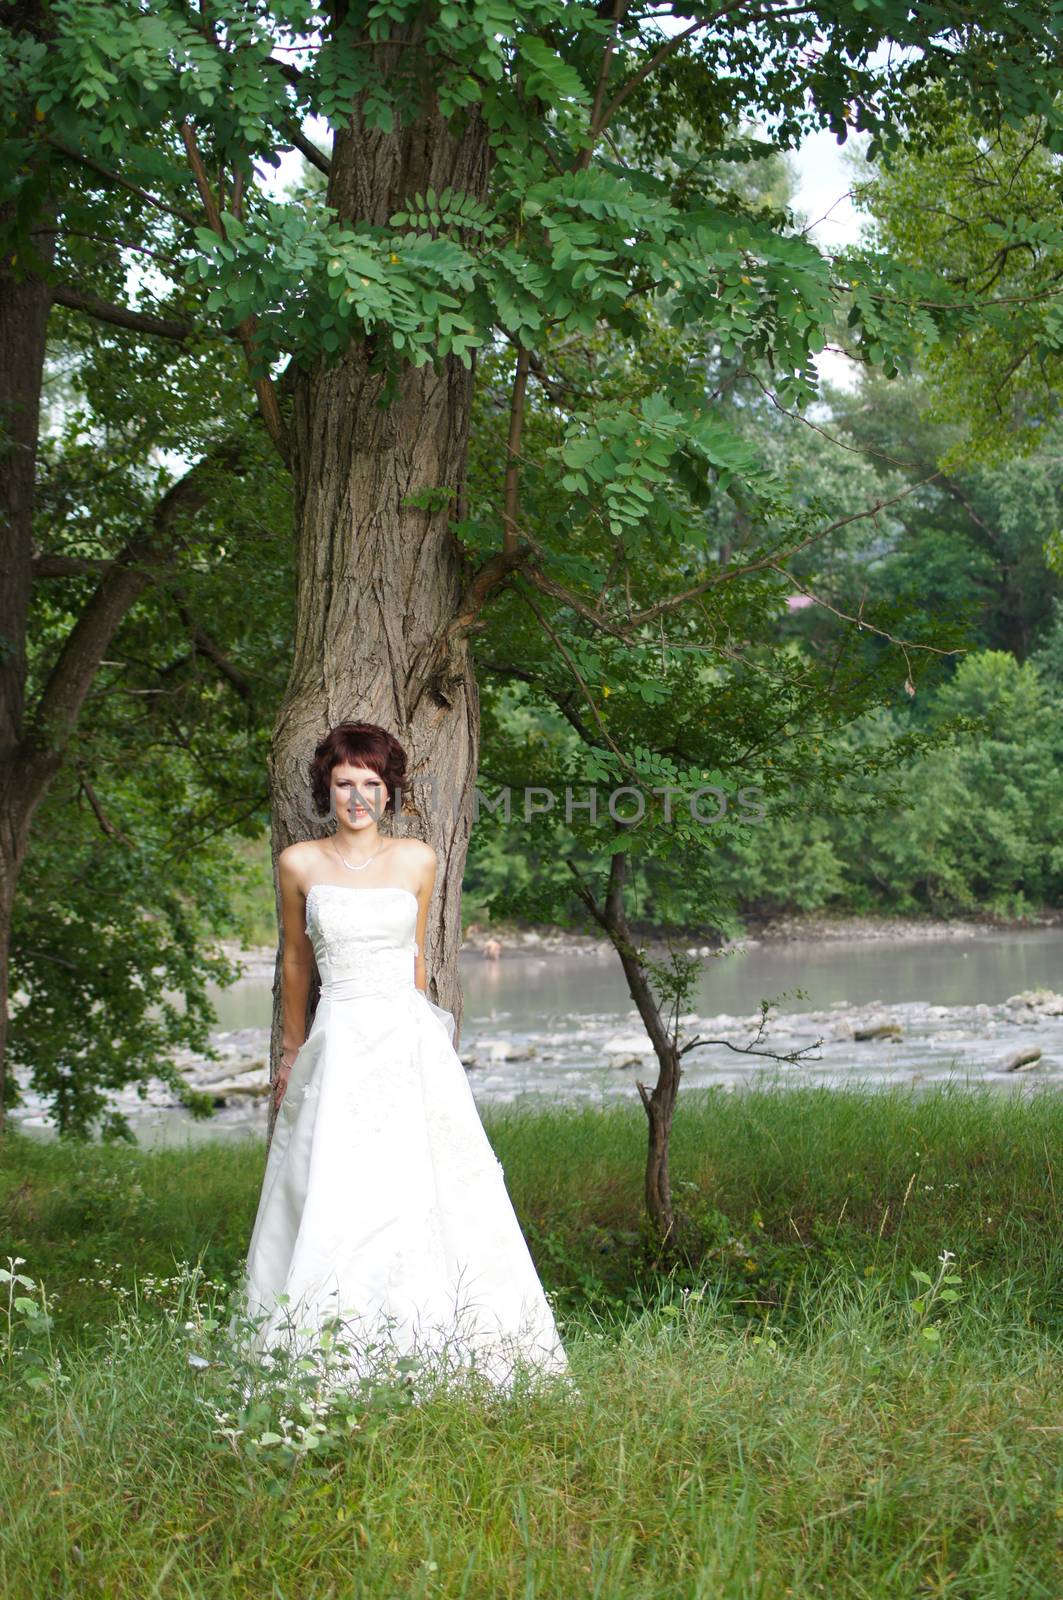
[{"x": 384, "y": 1212}]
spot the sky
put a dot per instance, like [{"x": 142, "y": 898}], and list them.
[
  {"x": 821, "y": 195},
  {"x": 822, "y": 190}
]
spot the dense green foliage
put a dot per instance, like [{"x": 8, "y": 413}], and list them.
[
  {"x": 959, "y": 561},
  {"x": 978, "y": 832},
  {"x": 568, "y": 235},
  {"x": 979, "y": 210},
  {"x": 132, "y": 872}
]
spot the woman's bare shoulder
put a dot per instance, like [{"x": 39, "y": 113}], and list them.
[
  {"x": 418, "y": 856},
  {"x": 419, "y": 860},
  {"x": 295, "y": 859},
  {"x": 418, "y": 849}
]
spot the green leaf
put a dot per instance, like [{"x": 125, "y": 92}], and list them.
[
  {"x": 581, "y": 451},
  {"x": 546, "y": 74}
]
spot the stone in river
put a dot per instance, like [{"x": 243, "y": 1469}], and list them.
[
  {"x": 1023, "y": 1060},
  {"x": 1045, "y": 1001}
]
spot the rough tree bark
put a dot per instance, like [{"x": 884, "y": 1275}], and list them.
[
  {"x": 379, "y": 583},
  {"x": 25, "y": 300}
]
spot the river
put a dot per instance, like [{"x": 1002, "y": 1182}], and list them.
[{"x": 539, "y": 1023}]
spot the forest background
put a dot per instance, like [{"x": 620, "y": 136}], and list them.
[{"x": 941, "y": 472}]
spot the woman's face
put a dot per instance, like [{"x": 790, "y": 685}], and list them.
[{"x": 358, "y": 795}]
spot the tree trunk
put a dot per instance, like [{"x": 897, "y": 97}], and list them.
[
  {"x": 378, "y": 581},
  {"x": 25, "y": 300},
  {"x": 660, "y": 1108},
  {"x": 23, "y": 784},
  {"x": 659, "y": 1104}
]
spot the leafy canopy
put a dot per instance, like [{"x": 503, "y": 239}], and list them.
[{"x": 567, "y": 235}]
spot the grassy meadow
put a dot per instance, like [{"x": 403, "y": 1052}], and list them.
[{"x": 852, "y": 1387}]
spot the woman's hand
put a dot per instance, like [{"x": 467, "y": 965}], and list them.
[
  {"x": 284, "y": 1072},
  {"x": 280, "y": 1084}
]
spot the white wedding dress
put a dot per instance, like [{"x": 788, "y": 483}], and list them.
[{"x": 383, "y": 1203}]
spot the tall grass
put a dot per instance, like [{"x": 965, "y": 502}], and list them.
[{"x": 851, "y": 1388}]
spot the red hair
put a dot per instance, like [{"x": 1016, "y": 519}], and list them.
[{"x": 362, "y": 744}]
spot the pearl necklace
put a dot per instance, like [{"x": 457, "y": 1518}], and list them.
[{"x": 362, "y": 865}]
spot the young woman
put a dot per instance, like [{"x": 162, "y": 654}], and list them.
[{"x": 383, "y": 1203}]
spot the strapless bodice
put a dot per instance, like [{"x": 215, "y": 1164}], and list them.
[{"x": 363, "y": 939}]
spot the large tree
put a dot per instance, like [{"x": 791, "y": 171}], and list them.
[{"x": 531, "y": 174}]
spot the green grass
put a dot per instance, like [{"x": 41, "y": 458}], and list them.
[{"x": 790, "y": 1413}]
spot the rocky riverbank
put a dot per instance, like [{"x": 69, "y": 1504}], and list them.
[
  {"x": 823, "y": 927},
  {"x": 1014, "y": 1044}
]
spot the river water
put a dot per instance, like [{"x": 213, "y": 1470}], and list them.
[{"x": 542, "y": 1025}]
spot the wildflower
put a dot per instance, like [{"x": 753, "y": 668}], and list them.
[{"x": 945, "y": 1257}]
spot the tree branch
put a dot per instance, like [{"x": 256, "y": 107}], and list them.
[
  {"x": 264, "y": 387},
  {"x": 904, "y": 645},
  {"x": 107, "y": 827},
  {"x": 511, "y": 499},
  {"x": 669, "y": 48},
  {"x": 537, "y": 612},
  {"x": 208, "y": 646},
  {"x": 59, "y": 705},
  {"x": 47, "y": 565},
  {"x": 124, "y": 316},
  {"x": 638, "y": 618},
  {"x": 626, "y": 629},
  {"x": 563, "y": 701},
  {"x": 619, "y": 10},
  {"x": 116, "y": 177},
  {"x": 306, "y": 147}
]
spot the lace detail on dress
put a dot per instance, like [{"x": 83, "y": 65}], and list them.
[{"x": 362, "y": 954}]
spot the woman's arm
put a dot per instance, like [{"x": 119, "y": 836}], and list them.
[
  {"x": 425, "y": 862},
  {"x": 297, "y": 966}
]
